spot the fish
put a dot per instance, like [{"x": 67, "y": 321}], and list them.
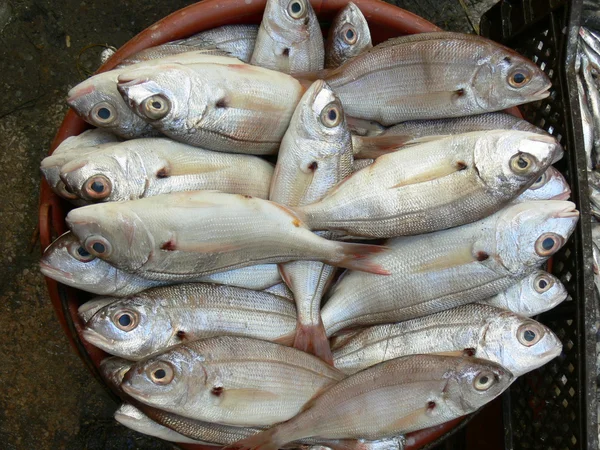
[
  {"x": 587, "y": 124},
  {"x": 289, "y": 38},
  {"x": 514, "y": 342},
  {"x": 134, "y": 419},
  {"x": 236, "y": 107},
  {"x": 551, "y": 185},
  {"x": 539, "y": 292},
  {"x": 157, "y": 319},
  {"x": 398, "y": 80},
  {"x": 98, "y": 102},
  {"x": 594, "y": 98},
  {"x": 359, "y": 164},
  {"x": 441, "y": 270},
  {"x": 397, "y": 136},
  {"x": 590, "y": 39},
  {"x": 66, "y": 261},
  {"x": 438, "y": 184},
  {"x": 230, "y": 380},
  {"x": 73, "y": 147},
  {"x": 147, "y": 167},
  {"x": 87, "y": 310},
  {"x": 349, "y": 35},
  {"x": 182, "y": 235},
  {"x": 235, "y": 40},
  {"x": 280, "y": 290},
  {"x": 315, "y": 155},
  {"x": 396, "y": 396}
]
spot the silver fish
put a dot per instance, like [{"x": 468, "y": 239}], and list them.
[
  {"x": 73, "y": 147},
  {"x": 514, "y": 342},
  {"x": 449, "y": 182},
  {"x": 147, "y": 167},
  {"x": 533, "y": 295},
  {"x": 235, "y": 40},
  {"x": 98, "y": 102},
  {"x": 399, "y": 135},
  {"x": 280, "y": 290},
  {"x": 359, "y": 164},
  {"x": 551, "y": 185},
  {"x": 155, "y": 320},
  {"x": 91, "y": 307},
  {"x": 289, "y": 39},
  {"x": 396, "y": 80},
  {"x": 590, "y": 39},
  {"x": 315, "y": 155},
  {"x": 438, "y": 271},
  {"x": 187, "y": 235},
  {"x": 230, "y": 380},
  {"x": 203, "y": 104},
  {"x": 587, "y": 123},
  {"x": 349, "y": 35},
  {"x": 397, "y": 396},
  {"x": 66, "y": 261},
  {"x": 594, "y": 98}
]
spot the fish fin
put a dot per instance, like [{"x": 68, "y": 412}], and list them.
[
  {"x": 439, "y": 170},
  {"x": 454, "y": 353},
  {"x": 265, "y": 440},
  {"x": 177, "y": 165},
  {"x": 425, "y": 139},
  {"x": 312, "y": 339},
  {"x": 407, "y": 421},
  {"x": 458, "y": 258},
  {"x": 231, "y": 397},
  {"x": 287, "y": 339},
  {"x": 358, "y": 257},
  {"x": 172, "y": 245},
  {"x": 374, "y": 146},
  {"x": 343, "y": 337},
  {"x": 434, "y": 99},
  {"x": 309, "y": 77}
]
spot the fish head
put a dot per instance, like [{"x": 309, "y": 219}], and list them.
[
  {"x": 111, "y": 233},
  {"x": 506, "y": 79},
  {"x": 537, "y": 292},
  {"x": 349, "y": 34},
  {"x": 551, "y": 185},
  {"x": 529, "y": 233},
  {"x": 113, "y": 370},
  {"x": 478, "y": 381},
  {"x": 162, "y": 380},
  {"x": 518, "y": 343},
  {"x": 129, "y": 328},
  {"x": 91, "y": 307},
  {"x": 507, "y": 161},
  {"x": 288, "y": 21},
  {"x": 97, "y": 101},
  {"x": 68, "y": 262},
  {"x": 104, "y": 177}
]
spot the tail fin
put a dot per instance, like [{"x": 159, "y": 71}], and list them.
[
  {"x": 309, "y": 77},
  {"x": 261, "y": 441},
  {"x": 374, "y": 146},
  {"x": 312, "y": 339},
  {"x": 359, "y": 257}
]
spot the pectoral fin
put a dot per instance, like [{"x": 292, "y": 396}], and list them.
[
  {"x": 230, "y": 398},
  {"x": 406, "y": 422},
  {"x": 441, "y": 169},
  {"x": 460, "y": 257}
]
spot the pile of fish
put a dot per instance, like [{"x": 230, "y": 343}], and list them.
[{"x": 218, "y": 272}]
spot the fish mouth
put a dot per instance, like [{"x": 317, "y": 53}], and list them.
[
  {"x": 541, "y": 94},
  {"x": 96, "y": 339},
  {"x": 569, "y": 213},
  {"x": 54, "y": 273},
  {"x": 552, "y": 353}
]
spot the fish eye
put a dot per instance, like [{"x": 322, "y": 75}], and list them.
[
  {"x": 541, "y": 181},
  {"x": 80, "y": 253},
  {"x": 542, "y": 283},
  {"x": 484, "y": 380},
  {"x": 548, "y": 244},
  {"x": 331, "y": 115},
  {"x": 529, "y": 334},
  {"x": 126, "y": 320},
  {"x": 62, "y": 190},
  {"x": 522, "y": 163},
  {"x": 349, "y": 35},
  {"x": 97, "y": 187},
  {"x": 161, "y": 373},
  {"x": 519, "y": 78},
  {"x": 296, "y": 10},
  {"x": 104, "y": 113},
  {"x": 98, "y": 246},
  {"x": 156, "y": 107}
]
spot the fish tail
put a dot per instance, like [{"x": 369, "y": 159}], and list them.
[
  {"x": 312, "y": 339},
  {"x": 359, "y": 257},
  {"x": 265, "y": 440},
  {"x": 371, "y": 147}
]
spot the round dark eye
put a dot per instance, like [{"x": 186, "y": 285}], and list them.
[
  {"x": 529, "y": 334},
  {"x": 103, "y": 113},
  {"x": 98, "y": 247},
  {"x": 518, "y": 78},
  {"x": 296, "y": 10},
  {"x": 542, "y": 284},
  {"x": 161, "y": 373},
  {"x": 349, "y": 34},
  {"x": 156, "y": 107},
  {"x": 126, "y": 320},
  {"x": 541, "y": 181},
  {"x": 331, "y": 115},
  {"x": 80, "y": 253},
  {"x": 548, "y": 244},
  {"x": 83, "y": 252},
  {"x": 97, "y": 187},
  {"x": 522, "y": 163},
  {"x": 483, "y": 381}
]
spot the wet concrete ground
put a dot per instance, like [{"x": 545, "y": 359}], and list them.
[{"x": 48, "y": 400}]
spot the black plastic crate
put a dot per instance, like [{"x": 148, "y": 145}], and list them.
[{"x": 555, "y": 407}]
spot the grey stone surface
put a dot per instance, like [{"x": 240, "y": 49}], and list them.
[{"x": 48, "y": 400}]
